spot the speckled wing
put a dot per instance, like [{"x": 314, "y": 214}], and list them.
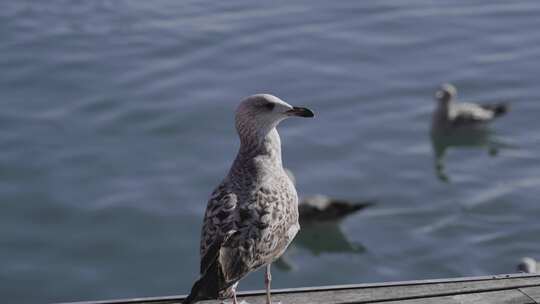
[
  {"x": 259, "y": 228},
  {"x": 274, "y": 220},
  {"x": 220, "y": 219}
]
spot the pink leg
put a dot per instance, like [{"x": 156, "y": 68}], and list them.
[
  {"x": 235, "y": 300},
  {"x": 267, "y": 282}
]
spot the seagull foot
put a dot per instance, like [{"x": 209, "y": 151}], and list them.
[
  {"x": 232, "y": 302},
  {"x": 245, "y": 302}
]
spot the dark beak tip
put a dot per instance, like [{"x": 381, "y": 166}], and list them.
[{"x": 302, "y": 112}]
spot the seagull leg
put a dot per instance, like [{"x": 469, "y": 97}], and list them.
[
  {"x": 235, "y": 300},
  {"x": 267, "y": 282}
]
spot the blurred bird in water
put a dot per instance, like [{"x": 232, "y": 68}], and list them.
[
  {"x": 527, "y": 265},
  {"x": 451, "y": 115},
  {"x": 252, "y": 216},
  {"x": 461, "y": 125},
  {"x": 323, "y": 208},
  {"x": 320, "y": 207}
]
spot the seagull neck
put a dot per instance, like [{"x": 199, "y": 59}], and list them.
[
  {"x": 267, "y": 148},
  {"x": 443, "y": 110}
]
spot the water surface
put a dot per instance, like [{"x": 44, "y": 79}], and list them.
[{"x": 117, "y": 122}]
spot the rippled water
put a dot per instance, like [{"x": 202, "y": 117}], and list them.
[{"x": 117, "y": 122}]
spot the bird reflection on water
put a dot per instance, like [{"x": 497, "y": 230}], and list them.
[
  {"x": 325, "y": 237},
  {"x": 463, "y": 139},
  {"x": 318, "y": 238}
]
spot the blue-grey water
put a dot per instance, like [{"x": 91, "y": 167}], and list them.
[{"x": 116, "y": 122}]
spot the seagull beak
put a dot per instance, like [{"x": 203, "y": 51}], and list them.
[{"x": 299, "y": 111}]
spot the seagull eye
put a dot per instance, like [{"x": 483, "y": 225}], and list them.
[{"x": 269, "y": 106}]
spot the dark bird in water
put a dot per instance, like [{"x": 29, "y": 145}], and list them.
[
  {"x": 323, "y": 208},
  {"x": 252, "y": 216},
  {"x": 450, "y": 114}
]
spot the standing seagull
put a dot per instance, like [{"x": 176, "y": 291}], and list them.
[
  {"x": 252, "y": 216},
  {"x": 450, "y": 114}
]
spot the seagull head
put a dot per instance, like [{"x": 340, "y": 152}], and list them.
[
  {"x": 258, "y": 114},
  {"x": 446, "y": 93}
]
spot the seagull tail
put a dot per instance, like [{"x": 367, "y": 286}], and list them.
[
  {"x": 211, "y": 283},
  {"x": 498, "y": 109},
  {"x": 203, "y": 289},
  {"x": 194, "y": 295},
  {"x": 209, "y": 286}
]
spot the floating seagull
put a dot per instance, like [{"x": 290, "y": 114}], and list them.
[
  {"x": 323, "y": 208},
  {"x": 252, "y": 216},
  {"x": 320, "y": 207},
  {"x": 527, "y": 265},
  {"x": 450, "y": 114},
  {"x": 459, "y": 125}
]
